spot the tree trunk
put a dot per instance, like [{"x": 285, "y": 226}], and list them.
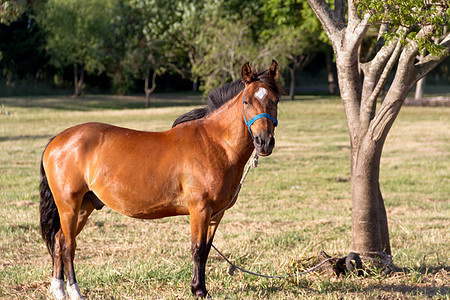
[
  {"x": 369, "y": 126},
  {"x": 150, "y": 90},
  {"x": 292, "y": 83},
  {"x": 78, "y": 81},
  {"x": 195, "y": 84},
  {"x": 420, "y": 85},
  {"x": 370, "y": 235}
]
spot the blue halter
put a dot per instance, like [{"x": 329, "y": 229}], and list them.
[{"x": 252, "y": 120}]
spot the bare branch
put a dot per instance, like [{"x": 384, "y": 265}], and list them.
[
  {"x": 398, "y": 90},
  {"x": 325, "y": 15},
  {"x": 373, "y": 69},
  {"x": 368, "y": 105},
  {"x": 353, "y": 16},
  {"x": 355, "y": 32},
  {"x": 176, "y": 69},
  {"x": 384, "y": 27}
]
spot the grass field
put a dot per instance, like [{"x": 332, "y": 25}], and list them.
[{"x": 294, "y": 205}]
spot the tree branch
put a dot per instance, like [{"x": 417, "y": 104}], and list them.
[
  {"x": 353, "y": 16},
  {"x": 397, "y": 93},
  {"x": 372, "y": 69},
  {"x": 368, "y": 104},
  {"x": 325, "y": 15},
  {"x": 176, "y": 69},
  {"x": 430, "y": 61},
  {"x": 355, "y": 32}
]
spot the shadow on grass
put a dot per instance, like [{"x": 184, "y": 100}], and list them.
[
  {"x": 100, "y": 102},
  {"x": 24, "y": 137},
  {"x": 424, "y": 281},
  {"x": 404, "y": 289}
]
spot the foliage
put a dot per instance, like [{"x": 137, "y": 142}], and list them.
[
  {"x": 24, "y": 57},
  {"x": 412, "y": 16},
  {"x": 123, "y": 23},
  {"x": 129, "y": 39},
  {"x": 226, "y": 45},
  {"x": 11, "y": 11},
  {"x": 77, "y": 32}
]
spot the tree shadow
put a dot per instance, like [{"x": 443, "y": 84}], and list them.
[
  {"x": 423, "y": 285},
  {"x": 102, "y": 102},
  {"x": 24, "y": 137}
]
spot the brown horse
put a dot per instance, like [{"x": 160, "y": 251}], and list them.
[{"x": 192, "y": 169}]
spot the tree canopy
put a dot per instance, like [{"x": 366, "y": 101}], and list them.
[{"x": 206, "y": 42}]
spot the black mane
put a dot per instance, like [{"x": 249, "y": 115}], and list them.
[{"x": 223, "y": 94}]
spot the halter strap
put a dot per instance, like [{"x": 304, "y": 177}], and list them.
[{"x": 259, "y": 116}]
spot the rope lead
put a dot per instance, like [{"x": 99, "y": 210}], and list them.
[{"x": 233, "y": 268}]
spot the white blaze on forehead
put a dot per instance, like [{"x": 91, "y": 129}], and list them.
[{"x": 261, "y": 93}]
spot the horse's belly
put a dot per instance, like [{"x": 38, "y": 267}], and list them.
[{"x": 144, "y": 207}]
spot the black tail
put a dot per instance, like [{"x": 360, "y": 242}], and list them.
[
  {"x": 195, "y": 114},
  {"x": 48, "y": 211}
]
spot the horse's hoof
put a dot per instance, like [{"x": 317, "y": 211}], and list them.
[
  {"x": 57, "y": 289},
  {"x": 199, "y": 292},
  {"x": 74, "y": 292}
]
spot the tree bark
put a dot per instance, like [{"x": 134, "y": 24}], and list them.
[
  {"x": 420, "y": 85},
  {"x": 370, "y": 235}
]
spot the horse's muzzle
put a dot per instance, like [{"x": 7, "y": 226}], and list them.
[{"x": 264, "y": 144}]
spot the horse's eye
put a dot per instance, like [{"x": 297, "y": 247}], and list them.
[{"x": 245, "y": 102}]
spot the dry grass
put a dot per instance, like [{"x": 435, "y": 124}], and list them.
[{"x": 294, "y": 205}]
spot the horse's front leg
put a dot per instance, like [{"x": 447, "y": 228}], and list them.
[{"x": 200, "y": 218}]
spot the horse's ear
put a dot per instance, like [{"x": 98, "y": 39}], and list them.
[
  {"x": 246, "y": 73},
  {"x": 273, "y": 71}
]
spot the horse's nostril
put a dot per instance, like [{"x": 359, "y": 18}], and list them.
[
  {"x": 272, "y": 142},
  {"x": 259, "y": 141}
]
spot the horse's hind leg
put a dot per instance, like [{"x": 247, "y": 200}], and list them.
[
  {"x": 72, "y": 221},
  {"x": 57, "y": 285}
]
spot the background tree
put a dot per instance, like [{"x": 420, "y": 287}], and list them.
[
  {"x": 77, "y": 32},
  {"x": 152, "y": 49},
  {"x": 123, "y": 23},
  {"x": 405, "y": 29},
  {"x": 22, "y": 55},
  {"x": 294, "y": 35},
  {"x": 225, "y": 44},
  {"x": 184, "y": 33}
]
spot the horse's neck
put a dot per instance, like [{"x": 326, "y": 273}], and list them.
[{"x": 227, "y": 127}]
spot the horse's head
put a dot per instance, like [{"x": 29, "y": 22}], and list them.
[{"x": 260, "y": 100}]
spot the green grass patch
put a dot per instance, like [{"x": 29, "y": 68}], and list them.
[{"x": 294, "y": 205}]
